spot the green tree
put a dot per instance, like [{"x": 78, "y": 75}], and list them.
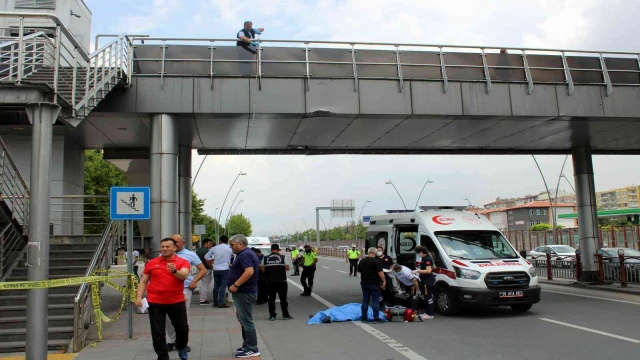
[
  {"x": 239, "y": 224},
  {"x": 197, "y": 209},
  {"x": 210, "y": 226},
  {"x": 99, "y": 177},
  {"x": 541, "y": 227}
]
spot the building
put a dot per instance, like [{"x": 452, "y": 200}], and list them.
[
  {"x": 500, "y": 203},
  {"x": 563, "y": 196},
  {"x": 622, "y": 198},
  {"x": 525, "y": 199},
  {"x": 498, "y": 217},
  {"x": 523, "y": 217}
]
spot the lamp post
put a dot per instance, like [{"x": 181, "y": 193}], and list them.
[
  {"x": 225, "y": 198},
  {"x": 233, "y": 202},
  {"x": 423, "y": 186},
  {"x": 466, "y": 198},
  {"x": 389, "y": 182},
  {"x": 238, "y": 204},
  {"x": 215, "y": 215},
  {"x": 360, "y": 216}
]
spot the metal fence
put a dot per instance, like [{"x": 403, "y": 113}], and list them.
[{"x": 609, "y": 237}]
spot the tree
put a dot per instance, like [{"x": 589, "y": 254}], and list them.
[
  {"x": 99, "y": 177},
  {"x": 239, "y": 224},
  {"x": 210, "y": 226},
  {"x": 541, "y": 227},
  {"x": 197, "y": 209}
]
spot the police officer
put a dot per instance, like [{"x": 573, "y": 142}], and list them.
[
  {"x": 294, "y": 259},
  {"x": 352, "y": 258},
  {"x": 309, "y": 261},
  {"x": 246, "y": 36},
  {"x": 275, "y": 267},
  {"x": 427, "y": 280}
]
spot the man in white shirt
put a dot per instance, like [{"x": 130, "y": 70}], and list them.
[
  {"x": 189, "y": 284},
  {"x": 219, "y": 257},
  {"x": 407, "y": 279}
]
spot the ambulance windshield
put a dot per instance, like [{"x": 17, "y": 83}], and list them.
[{"x": 476, "y": 245}]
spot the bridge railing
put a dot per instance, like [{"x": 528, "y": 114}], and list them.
[
  {"x": 627, "y": 237},
  {"x": 401, "y": 62}
]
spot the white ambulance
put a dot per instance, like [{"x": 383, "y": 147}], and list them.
[{"x": 475, "y": 264}]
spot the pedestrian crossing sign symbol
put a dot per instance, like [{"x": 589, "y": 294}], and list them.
[{"x": 130, "y": 203}]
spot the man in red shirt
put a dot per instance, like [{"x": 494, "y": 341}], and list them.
[{"x": 163, "y": 280}]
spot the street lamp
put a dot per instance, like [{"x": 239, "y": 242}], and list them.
[
  {"x": 466, "y": 198},
  {"x": 234, "y": 210},
  {"x": 234, "y": 201},
  {"x": 360, "y": 216},
  {"x": 215, "y": 215},
  {"x": 389, "y": 182},
  {"x": 423, "y": 186},
  {"x": 225, "y": 198}
]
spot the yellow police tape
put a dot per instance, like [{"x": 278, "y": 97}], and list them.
[{"x": 128, "y": 290}]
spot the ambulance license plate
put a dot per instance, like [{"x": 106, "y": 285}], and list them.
[{"x": 510, "y": 294}]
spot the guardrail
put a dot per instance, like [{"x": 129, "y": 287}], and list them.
[
  {"x": 611, "y": 270},
  {"x": 627, "y": 236},
  {"x": 402, "y": 62},
  {"x": 102, "y": 259}
]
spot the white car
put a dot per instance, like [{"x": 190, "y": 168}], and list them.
[{"x": 558, "y": 252}]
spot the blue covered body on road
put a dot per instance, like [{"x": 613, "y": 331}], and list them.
[{"x": 347, "y": 312}]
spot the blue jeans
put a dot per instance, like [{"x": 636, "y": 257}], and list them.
[
  {"x": 220, "y": 279},
  {"x": 370, "y": 292},
  {"x": 244, "y": 313}
]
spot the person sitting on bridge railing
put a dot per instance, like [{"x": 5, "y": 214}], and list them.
[{"x": 246, "y": 36}]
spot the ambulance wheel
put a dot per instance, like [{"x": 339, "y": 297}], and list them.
[
  {"x": 521, "y": 307},
  {"x": 445, "y": 303}
]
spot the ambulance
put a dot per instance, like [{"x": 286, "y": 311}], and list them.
[{"x": 475, "y": 265}]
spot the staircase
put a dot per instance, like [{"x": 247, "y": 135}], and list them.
[
  {"x": 68, "y": 257},
  {"x": 76, "y": 80}
]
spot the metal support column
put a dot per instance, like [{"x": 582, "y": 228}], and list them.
[
  {"x": 317, "y": 228},
  {"x": 42, "y": 116},
  {"x": 587, "y": 211},
  {"x": 184, "y": 180},
  {"x": 164, "y": 179},
  {"x": 130, "y": 270}
]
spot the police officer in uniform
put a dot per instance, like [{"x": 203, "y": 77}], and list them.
[
  {"x": 275, "y": 268},
  {"x": 295, "y": 253},
  {"x": 309, "y": 261},
  {"x": 353, "y": 256},
  {"x": 387, "y": 292},
  {"x": 427, "y": 280}
]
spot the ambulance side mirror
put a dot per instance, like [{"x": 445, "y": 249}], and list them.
[{"x": 523, "y": 253}]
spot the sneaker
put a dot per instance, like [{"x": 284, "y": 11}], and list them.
[
  {"x": 239, "y": 350},
  {"x": 426, "y": 317},
  {"x": 215, "y": 305},
  {"x": 205, "y": 303},
  {"x": 248, "y": 353},
  {"x": 305, "y": 294},
  {"x": 170, "y": 346},
  {"x": 288, "y": 317},
  {"x": 272, "y": 318},
  {"x": 182, "y": 354},
  {"x": 188, "y": 348},
  {"x": 223, "y": 306},
  {"x": 376, "y": 321}
]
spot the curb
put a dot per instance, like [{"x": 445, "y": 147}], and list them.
[{"x": 579, "y": 285}]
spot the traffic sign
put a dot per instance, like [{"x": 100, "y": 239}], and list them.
[
  {"x": 366, "y": 219},
  {"x": 130, "y": 203}
]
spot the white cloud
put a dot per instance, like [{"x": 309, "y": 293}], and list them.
[{"x": 151, "y": 14}]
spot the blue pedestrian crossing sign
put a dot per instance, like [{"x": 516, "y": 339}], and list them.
[{"x": 130, "y": 203}]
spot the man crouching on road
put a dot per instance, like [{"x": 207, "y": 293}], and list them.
[
  {"x": 243, "y": 280},
  {"x": 166, "y": 298}
]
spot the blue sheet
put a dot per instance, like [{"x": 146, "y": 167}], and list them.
[{"x": 347, "y": 312}]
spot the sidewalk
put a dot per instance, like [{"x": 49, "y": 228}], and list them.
[
  {"x": 632, "y": 289},
  {"x": 214, "y": 335}
]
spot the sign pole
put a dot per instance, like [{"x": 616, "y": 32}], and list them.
[{"x": 130, "y": 270}]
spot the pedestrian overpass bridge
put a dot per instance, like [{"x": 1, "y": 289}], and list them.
[{"x": 147, "y": 102}]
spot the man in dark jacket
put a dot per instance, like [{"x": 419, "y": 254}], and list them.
[{"x": 275, "y": 267}]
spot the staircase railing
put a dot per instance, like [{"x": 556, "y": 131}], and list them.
[
  {"x": 102, "y": 259},
  {"x": 79, "y": 78},
  {"x": 14, "y": 204}
]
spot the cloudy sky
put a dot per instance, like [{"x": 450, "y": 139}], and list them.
[{"x": 281, "y": 192}]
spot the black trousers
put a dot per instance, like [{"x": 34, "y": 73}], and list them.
[
  {"x": 353, "y": 266},
  {"x": 306, "y": 279},
  {"x": 387, "y": 293},
  {"x": 157, "y": 316},
  {"x": 281, "y": 289},
  {"x": 263, "y": 291}
]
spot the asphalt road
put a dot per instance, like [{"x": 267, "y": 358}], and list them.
[{"x": 567, "y": 324}]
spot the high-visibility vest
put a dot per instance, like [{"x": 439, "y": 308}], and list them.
[
  {"x": 294, "y": 254},
  {"x": 309, "y": 258},
  {"x": 353, "y": 254}
]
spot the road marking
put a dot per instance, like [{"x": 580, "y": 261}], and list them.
[
  {"x": 592, "y": 330},
  {"x": 590, "y": 297},
  {"x": 408, "y": 353},
  {"x": 326, "y": 267},
  {"x": 344, "y": 272}
]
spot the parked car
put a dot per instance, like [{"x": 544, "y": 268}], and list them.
[
  {"x": 558, "y": 252},
  {"x": 611, "y": 261}
]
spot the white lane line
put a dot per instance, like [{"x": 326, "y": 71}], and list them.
[
  {"x": 326, "y": 267},
  {"x": 590, "y": 297},
  {"x": 408, "y": 353},
  {"x": 592, "y": 330},
  {"x": 344, "y": 272}
]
